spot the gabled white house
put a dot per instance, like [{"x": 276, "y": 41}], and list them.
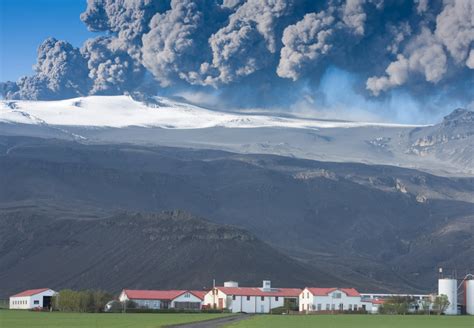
[
  {"x": 250, "y": 299},
  {"x": 32, "y": 299},
  {"x": 314, "y": 299},
  {"x": 164, "y": 299}
]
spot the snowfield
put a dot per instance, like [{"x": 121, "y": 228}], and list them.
[{"x": 123, "y": 111}]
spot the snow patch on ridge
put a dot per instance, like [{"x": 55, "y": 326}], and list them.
[{"x": 123, "y": 111}]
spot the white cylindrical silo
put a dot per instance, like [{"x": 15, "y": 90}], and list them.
[
  {"x": 470, "y": 297},
  {"x": 449, "y": 288}
]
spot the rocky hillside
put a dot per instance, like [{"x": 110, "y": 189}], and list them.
[
  {"x": 451, "y": 140},
  {"x": 133, "y": 250}
]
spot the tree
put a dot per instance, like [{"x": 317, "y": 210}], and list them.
[
  {"x": 81, "y": 301},
  {"x": 397, "y": 305},
  {"x": 426, "y": 305},
  {"x": 441, "y": 303}
]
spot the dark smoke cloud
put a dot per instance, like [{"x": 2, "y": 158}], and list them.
[{"x": 271, "y": 53}]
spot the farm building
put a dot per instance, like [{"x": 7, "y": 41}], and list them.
[
  {"x": 378, "y": 299},
  {"x": 32, "y": 299},
  {"x": 332, "y": 299},
  {"x": 164, "y": 299},
  {"x": 376, "y": 303},
  {"x": 250, "y": 299}
]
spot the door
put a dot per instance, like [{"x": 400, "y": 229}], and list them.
[
  {"x": 221, "y": 303},
  {"x": 47, "y": 302}
]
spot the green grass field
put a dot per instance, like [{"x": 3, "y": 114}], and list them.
[
  {"x": 355, "y": 321},
  {"x": 23, "y": 319}
]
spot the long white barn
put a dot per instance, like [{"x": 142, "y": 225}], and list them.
[
  {"x": 32, "y": 299},
  {"x": 164, "y": 299}
]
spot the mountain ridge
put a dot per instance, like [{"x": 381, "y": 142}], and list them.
[{"x": 439, "y": 148}]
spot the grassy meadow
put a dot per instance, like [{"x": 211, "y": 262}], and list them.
[
  {"x": 22, "y": 319},
  {"x": 17, "y": 319},
  {"x": 355, "y": 321}
]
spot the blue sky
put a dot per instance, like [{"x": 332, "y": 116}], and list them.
[{"x": 24, "y": 24}]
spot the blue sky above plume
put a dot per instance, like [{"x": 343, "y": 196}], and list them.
[{"x": 25, "y": 24}]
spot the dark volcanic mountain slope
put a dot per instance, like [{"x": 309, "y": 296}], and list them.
[
  {"x": 364, "y": 223},
  {"x": 167, "y": 250}
]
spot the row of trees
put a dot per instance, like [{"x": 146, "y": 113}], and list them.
[
  {"x": 81, "y": 301},
  {"x": 405, "y": 305}
]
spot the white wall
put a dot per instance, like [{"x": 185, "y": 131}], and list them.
[
  {"x": 251, "y": 304},
  {"x": 187, "y": 297},
  {"x": 20, "y": 302},
  {"x": 151, "y": 304},
  {"x": 30, "y": 302},
  {"x": 321, "y": 303},
  {"x": 211, "y": 299},
  {"x": 255, "y": 304}
]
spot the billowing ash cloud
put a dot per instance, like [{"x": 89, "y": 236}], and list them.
[
  {"x": 61, "y": 72},
  {"x": 423, "y": 55},
  {"x": 269, "y": 53},
  {"x": 304, "y": 43},
  {"x": 173, "y": 45},
  {"x": 111, "y": 68},
  {"x": 127, "y": 19},
  {"x": 427, "y": 53},
  {"x": 244, "y": 45}
]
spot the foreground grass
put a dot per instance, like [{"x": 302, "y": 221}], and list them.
[
  {"x": 13, "y": 319},
  {"x": 355, "y": 321}
]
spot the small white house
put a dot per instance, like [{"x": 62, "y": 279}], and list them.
[
  {"x": 331, "y": 299},
  {"x": 32, "y": 299},
  {"x": 250, "y": 299},
  {"x": 376, "y": 304},
  {"x": 164, "y": 299}
]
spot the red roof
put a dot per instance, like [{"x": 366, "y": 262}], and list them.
[
  {"x": 134, "y": 294},
  {"x": 30, "y": 292},
  {"x": 377, "y": 301},
  {"x": 199, "y": 293},
  {"x": 325, "y": 291},
  {"x": 255, "y": 291}
]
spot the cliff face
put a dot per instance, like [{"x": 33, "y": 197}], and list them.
[{"x": 451, "y": 140}]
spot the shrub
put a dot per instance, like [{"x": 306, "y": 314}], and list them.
[{"x": 68, "y": 300}]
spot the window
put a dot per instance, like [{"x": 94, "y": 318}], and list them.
[
  {"x": 37, "y": 302},
  {"x": 350, "y": 307},
  {"x": 336, "y": 295},
  {"x": 341, "y": 306},
  {"x": 276, "y": 298},
  {"x": 307, "y": 294},
  {"x": 327, "y": 307},
  {"x": 333, "y": 307},
  {"x": 248, "y": 298},
  {"x": 319, "y": 307},
  {"x": 262, "y": 298},
  {"x": 355, "y": 307},
  {"x": 233, "y": 297},
  {"x": 187, "y": 295}
]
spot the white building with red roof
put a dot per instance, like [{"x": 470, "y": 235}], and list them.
[
  {"x": 250, "y": 299},
  {"x": 32, "y": 299},
  {"x": 314, "y": 299},
  {"x": 164, "y": 299}
]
